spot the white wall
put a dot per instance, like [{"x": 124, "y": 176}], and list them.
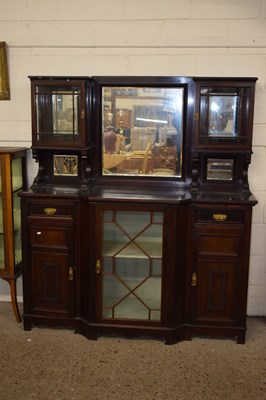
[{"x": 141, "y": 37}]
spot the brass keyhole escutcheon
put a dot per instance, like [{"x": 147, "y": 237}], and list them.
[
  {"x": 98, "y": 267},
  {"x": 71, "y": 274},
  {"x": 194, "y": 279}
]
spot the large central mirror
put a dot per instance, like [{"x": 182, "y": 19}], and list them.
[{"x": 142, "y": 130}]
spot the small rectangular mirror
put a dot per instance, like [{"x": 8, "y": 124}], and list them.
[
  {"x": 219, "y": 169},
  {"x": 65, "y": 165}
]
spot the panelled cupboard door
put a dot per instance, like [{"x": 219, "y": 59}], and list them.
[
  {"x": 131, "y": 267},
  {"x": 52, "y": 290},
  {"x": 217, "y": 274},
  {"x": 52, "y": 269},
  {"x": 218, "y": 286}
]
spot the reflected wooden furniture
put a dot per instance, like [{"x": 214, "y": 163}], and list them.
[
  {"x": 130, "y": 161},
  {"x": 138, "y": 163},
  {"x": 164, "y": 158},
  {"x": 145, "y": 162},
  {"x": 113, "y": 160},
  {"x": 12, "y": 182}
]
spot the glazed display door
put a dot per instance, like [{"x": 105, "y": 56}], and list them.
[{"x": 129, "y": 271}]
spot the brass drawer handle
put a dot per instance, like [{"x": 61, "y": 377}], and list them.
[
  {"x": 71, "y": 274},
  {"x": 219, "y": 217},
  {"x": 49, "y": 211}
]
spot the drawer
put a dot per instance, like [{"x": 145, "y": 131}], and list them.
[
  {"x": 50, "y": 210},
  {"x": 219, "y": 243},
  {"x": 219, "y": 216},
  {"x": 57, "y": 237}
]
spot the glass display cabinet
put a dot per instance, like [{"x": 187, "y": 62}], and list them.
[
  {"x": 132, "y": 265},
  {"x": 223, "y": 133},
  {"x": 137, "y": 218},
  {"x": 12, "y": 182},
  {"x": 60, "y": 124},
  {"x": 224, "y": 113},
  {"x": 59, "y": 112}
]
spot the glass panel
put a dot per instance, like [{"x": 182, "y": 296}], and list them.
[
  {"x": 107, "y": 265},
  {"x": 151, "y": 241},
  {"x": 142, "y": 131},
  {"x": 131, "y": 308},
  {"x": 113, "y": 291},
  {"x": 132, "y": 276},
  {"x": 131, "y": 250},
  {"x": 2, "y": 252},
  {"x": 57, "y": 113},
  {"x": 150, "y": 292},
  {"x": 155, "y": 315},
  {"x": 17, "y": 227},
  {"x": 157, "y": 218},
  {"x": 134, "y": 222},
  {"x": 222, "y": 116},
  {"x": 156, "y": 267},
  {"x": 220, "y": 169},
  {"x": 17, "y": 185},
  {"x": 220, "y": 113},
  {"x": 114, "y": 239},
  {"x": 132, "y": 271},
  {"x": 17, "y": 177}
]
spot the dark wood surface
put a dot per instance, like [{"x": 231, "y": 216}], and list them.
[{"x": 205, "y": 257}]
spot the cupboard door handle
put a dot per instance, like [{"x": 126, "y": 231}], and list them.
[
  {"x": 219, "y": 217},
  {"x": 70, "y": 273},
  {"x": 82, "y": 114},
  {"x": 49, "y": 211},
  {"x": 98, "y": 267},
  {"x": 194, "y": 279}
]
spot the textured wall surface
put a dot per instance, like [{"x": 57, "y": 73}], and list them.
[{"x": 141, "y": 37}]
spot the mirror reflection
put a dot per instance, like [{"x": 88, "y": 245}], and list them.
[
  {"x": 222, "y": 115},
  {"x": 142, "y": 131},
  {"x": 220, "y": 169}
]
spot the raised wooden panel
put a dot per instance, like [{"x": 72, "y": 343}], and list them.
[
  {"x": 225, "y": 243},
  {"x": 216, "y": 291},
  {"x": 52, "y": 291}
]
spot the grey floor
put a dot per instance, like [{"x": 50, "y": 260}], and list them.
[{"x": 56, "y": 364}]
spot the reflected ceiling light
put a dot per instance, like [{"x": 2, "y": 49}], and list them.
[{"x": 160, "y": 121}]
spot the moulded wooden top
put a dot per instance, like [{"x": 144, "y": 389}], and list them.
[
  {"x": 153, "y": 195},
  {"x": 8, "y": 150}
]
